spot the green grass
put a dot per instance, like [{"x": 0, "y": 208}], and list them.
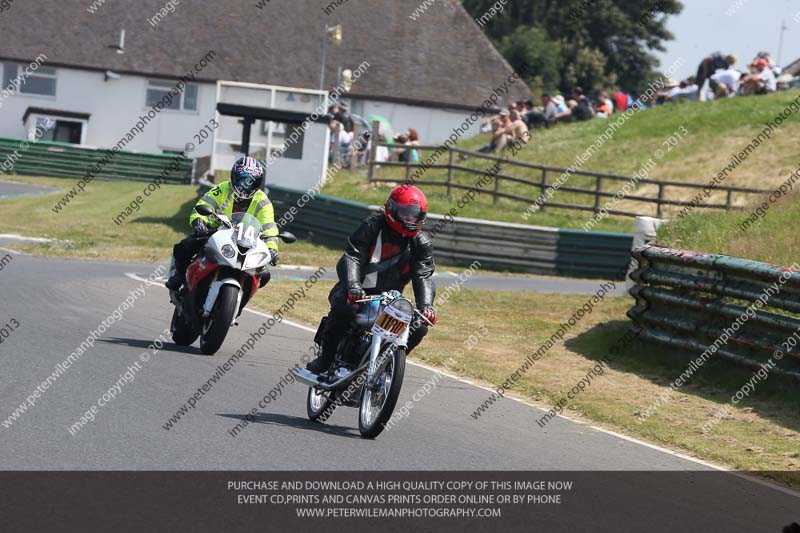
[
  {"x": 774, "y": 238},
  {"x": 715, "y": 130},
  {"x": 87, "y": 223}
]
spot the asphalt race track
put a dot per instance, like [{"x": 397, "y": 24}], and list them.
[{"x": 58, "y": 302}]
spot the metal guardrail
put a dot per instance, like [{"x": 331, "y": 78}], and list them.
[
  {"x": 63, "y": 160},
  {"x": 518, "y": 247},
  {"x": 598, "y": 192},
  {"x": 688, "y": 299}
]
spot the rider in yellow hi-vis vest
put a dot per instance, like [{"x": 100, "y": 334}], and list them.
[{"x": 244, "y": 193}]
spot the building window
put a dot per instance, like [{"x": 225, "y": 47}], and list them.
[
  {"x": 42, "y": 81},
  {"x": 158, "y": 91}
]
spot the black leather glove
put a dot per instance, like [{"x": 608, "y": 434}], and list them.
[
  {"x": 355, "y": 294},
  {"x": 200, "y": 228},
  {"x": 274, "y": 255}
]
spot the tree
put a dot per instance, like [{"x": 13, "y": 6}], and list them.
[
  {"x": 616, "y": 35},
  {"x": 534, "y": 57}
]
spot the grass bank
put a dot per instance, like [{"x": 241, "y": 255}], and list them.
[{"x": 714, "y": 131}]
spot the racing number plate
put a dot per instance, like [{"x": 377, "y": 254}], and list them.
[{"x": 391, "y": 323}]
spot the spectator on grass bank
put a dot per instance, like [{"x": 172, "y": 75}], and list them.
[
  {"x": 761, "y": 81},
  {"x": 550, "y": 109},
  {"x": 534, "y": 118},
  {"x": 776, "y": 69},
  {"x": 583, "y": 110},
  {"x": 501, "y": 128},
  {"x": 725, "y": 82},
  {"x": 638, "y": 101},
  {"x": 519, "y": 130},
  {"x": 607, "y": 101},
  {"x": 622, "y": 101},
  {"x": 601, "y": 108}
]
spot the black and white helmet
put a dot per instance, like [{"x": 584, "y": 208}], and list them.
[{"x": 247, "y": 176}]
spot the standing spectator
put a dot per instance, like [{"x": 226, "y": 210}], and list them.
[
  {"x": 381, "y": 152},
  {"x": 406, "y": 151},
  {"x": 340, "y": 114},
  {"x": 709, "y": 65},
  {"x": 413, "y": 140}
]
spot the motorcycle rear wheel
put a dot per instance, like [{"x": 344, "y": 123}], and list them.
[
  {"x": 221, "y": 317},
  {"x": 377, "y": 405},
  {"x": 182, "y": 333}
]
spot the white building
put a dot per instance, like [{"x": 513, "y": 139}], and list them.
[{"x": 90, "y": 88}]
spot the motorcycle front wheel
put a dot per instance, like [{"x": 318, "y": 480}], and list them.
[
  {"x": 182, "y": 333},
  {"x": 217, "y": 325},
  {"x": 377, "y": 403},
  {"x": 319, "y": 404}
]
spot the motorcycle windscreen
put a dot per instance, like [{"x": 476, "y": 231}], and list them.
[{"x": 246, "y": 229}]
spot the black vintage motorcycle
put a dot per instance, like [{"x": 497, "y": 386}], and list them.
[{"x": 369, "y": 365}]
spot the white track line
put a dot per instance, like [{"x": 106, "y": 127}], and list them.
[
  {"x": 528, "y": 403},
  {"x": 13, "y": 251}
]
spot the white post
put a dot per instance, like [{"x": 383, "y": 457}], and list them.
[{"x": 645, "y": 230}]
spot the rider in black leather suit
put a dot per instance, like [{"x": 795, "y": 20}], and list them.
[{"x": 384, "y": 253}]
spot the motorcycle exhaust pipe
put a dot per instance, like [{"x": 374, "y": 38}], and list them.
[{"x": 312, "y": 380}]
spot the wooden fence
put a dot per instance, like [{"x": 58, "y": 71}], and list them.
[{"x": 452, "y": 158}]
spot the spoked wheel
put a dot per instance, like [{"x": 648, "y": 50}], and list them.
[
  {"x": 182, "y": 333},
  {"x": 377, "y": 403},
  {"x": 319, "y": 404},
  {"x": 216, "y": 326}
]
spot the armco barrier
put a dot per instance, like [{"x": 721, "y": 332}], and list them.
[
  {"x": 519, "y": 247},
  {"x": 62, "y": 160},
  {"x": 688, "y": 300}
]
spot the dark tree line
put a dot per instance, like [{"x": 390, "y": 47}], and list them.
[{"x": 590, "y": 43}]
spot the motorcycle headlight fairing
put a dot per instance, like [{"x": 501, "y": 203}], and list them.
[{"x": 255, "y": 260}]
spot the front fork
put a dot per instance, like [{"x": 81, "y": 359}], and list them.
[
  {"x": 377, "y": 365},
  {"x": 213, "y": 294}
]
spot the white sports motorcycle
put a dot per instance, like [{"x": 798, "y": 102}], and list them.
[{"x": 221, "y": 280}]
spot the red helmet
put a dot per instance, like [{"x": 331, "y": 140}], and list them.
[{"x": 406, "y": 210}]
